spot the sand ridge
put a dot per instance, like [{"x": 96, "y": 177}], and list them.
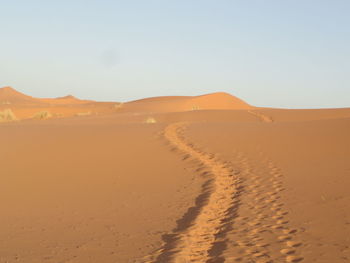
[
  {"x": 215, "y": 101},
  {"x": 18, "y": 107},
  {"x": 9, "y": 95}
]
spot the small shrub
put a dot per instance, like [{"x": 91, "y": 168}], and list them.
[
  {"x": 151, "y": 120},
  {"x": 195, "y": 107},
  {"x": 58, "y": 115},
  {"x": 118, "y": 105},
  {"x": 7, "y": 115},
  {"x": 42, "y": 115},
  {"x": 80, "y": 114}
]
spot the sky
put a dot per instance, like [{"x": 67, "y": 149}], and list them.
[{"x": 273, "y": 53}]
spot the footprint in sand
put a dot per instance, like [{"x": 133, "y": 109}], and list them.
[{"x": 293, "y": 259}]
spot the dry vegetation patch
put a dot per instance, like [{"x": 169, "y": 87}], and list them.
[
  {"x": 150, "y": 120},
  {"x": 42, "y": 115},
  {"x": 81, "y": 114},
  {"x": 7, "y": 115},
  {"x": 118, "y": 105}
]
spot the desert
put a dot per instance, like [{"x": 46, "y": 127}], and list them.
[
  {"x": 174, "y": 131},
  {"x": 206, "y": 178}
]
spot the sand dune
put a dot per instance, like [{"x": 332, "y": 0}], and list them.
[
  {"x": 25, "y": 107},
  {"x": 209, "y": 179},
  {"x": 215, "y": 101},
  {"x": 69, "y": 99},
  {"x": 8, "y": 96}
]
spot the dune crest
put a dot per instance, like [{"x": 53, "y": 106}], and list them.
[
  {"x": 220, "y": 100},
  {"x": 69, "y": 99},
  {"x": 25, "y": 107},
  {"x": 9, "y": 95},
  {"x": 213, "y": 101}
]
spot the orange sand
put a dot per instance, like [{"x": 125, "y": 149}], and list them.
[{"x": 172, "y": 179}]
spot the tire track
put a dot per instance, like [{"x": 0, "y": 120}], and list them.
[
  {"x": 200, "y": 234},
  {"x": 262, "y": 117},
  {"x": 263, "y": 232},
  {"x": 286, "y": 235},
  {"x": 239, "y": 215},
  {"x": 246, "y": 241}
]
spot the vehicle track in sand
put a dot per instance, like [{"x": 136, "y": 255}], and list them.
[
  {"x": 238, "y": 216},
  {"x": 262, "y": 232},
  {"x": 200, "y": 235},
  {"x": 261, "y": 116}
]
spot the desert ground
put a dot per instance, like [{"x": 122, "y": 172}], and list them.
[{"x": 172, "y": 179}]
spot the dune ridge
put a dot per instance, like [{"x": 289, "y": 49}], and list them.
[
  {"x": 69, "y": 99},
  {"x": 9, "y": 95},
  {"x": 26, "y": 107},
  {"x": 214, "y": 101}
]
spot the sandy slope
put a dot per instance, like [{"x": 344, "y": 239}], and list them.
[
  {"x": 223, "y": 185},
  {"x": 88, "y": 194},
  {"x": 296, "y": 179},
  {"x": 9, "y": 95},
  {"x": 217, "y": 101}
]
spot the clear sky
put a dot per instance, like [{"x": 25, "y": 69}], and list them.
[{"x": 290, "y": 53}]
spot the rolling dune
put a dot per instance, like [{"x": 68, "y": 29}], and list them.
[
  {"x": 215, "y": 101},
  {"x": 172, "y": 179}
]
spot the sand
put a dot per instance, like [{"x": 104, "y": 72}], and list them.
[{"x": 161, "y": 180}]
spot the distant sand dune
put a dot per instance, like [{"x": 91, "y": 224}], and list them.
[
  {"x": 215, "y": 101},
  {"x": 25, "y": 107},
  {"x": 12, "y": 96}
]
